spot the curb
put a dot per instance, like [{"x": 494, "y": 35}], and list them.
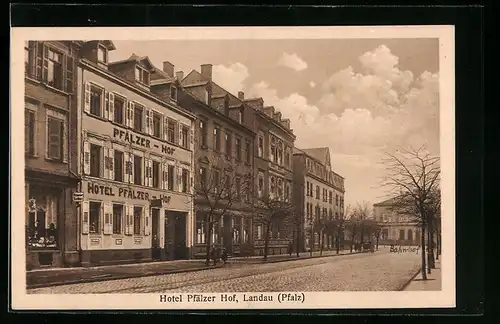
[
  {"x": 407, "y": 283},
  {"x": 117, "y": 277},
  {"x": 261, "y": 261}
]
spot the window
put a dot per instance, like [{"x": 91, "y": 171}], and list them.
[
  {"x": 287, "y": 191},
  {"x": 273, "y": 186},
  {"x": 95, "y": 217},
  {"x": 185, "y": 137},
  {"x": 206, "y": 96},
  {"x": 102, "y": 54},
  {"x": 261, "y": 184},
  {"x": 185, "y": 180},
  {"x": 216, "y": 180},
  {"x": 171, "y": 126},
  {"x": 238, "y": 148},
  {"x": 239, "y": 116},
  {"x": 118, "y": 165},
  {"x": 272, "y": 154},
  {"x": 203, "y": 134},
  {"x": 53, "y": 71},
  {"x": 227, "y": 183},
  {"x": 119, "y": 104},
  {"x": 156, "y": 174},
  {"x": 401, "y": 234},
  {"x": 96, "y": 100},
  {"x": 95, "y": 160},
  {"x": 307, "y": 188},
  {"x": 173, "y": 93},
  {"x": 229, "y": 144},
  {"x": 137, "y": 170},
  {"x": 236, "y": 230},
  {"x": 261, "y": 146},
  {"x": 55, "y": 138},
  {"x": 287, "y": 157},
  {"x": 259, "y": 232},
  {"x": 137, "y": 220},
  {"x": 317, "y": 192},
  {"x": 203, "y": 177},
  {"x": 238, "y": 188},
  {"x": 29, "y": 132},
  {"x": 142, "y": 75},
  {"x": 217, "y": 139},
  {"x": 200, "y": 231},
  {"x": 336, "y": 200},
  {"x": 248, "y": 156},
  {"x": 279, "y": 159},
  {"x": 117, "y": 218},
  {"x": 247, "y": 225},
  {"x": 138, "y": 110},
  {"x": 156, "y": 125},
  {"x": 280, "y": 188},
  {"x": 330, "y": 197},
  {"x": 171, "y": 170}
]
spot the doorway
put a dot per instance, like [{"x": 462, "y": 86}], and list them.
[
  {"x": 155, "y": 243},
  {"x": 175, "y": 235}
]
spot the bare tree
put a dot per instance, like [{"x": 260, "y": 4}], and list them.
[
  {"x": 377, "y": 231},
  {"x": 362, "y": 213},
  {"x": 413, "y": 175},
  {"x": 340, "y": 226},
  {"x": 269, "y": 212},
  {"x": 216, "y": 190}
]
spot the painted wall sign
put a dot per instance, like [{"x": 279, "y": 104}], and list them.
[
  {"x": 95, "y": 241},
  {"x": 141, "y": 141},
  {"x": 138, "y": 241},
  {"x": 118, "y": 242},
  {"x": 98, "y": 189}
]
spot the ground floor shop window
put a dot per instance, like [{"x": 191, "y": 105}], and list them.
[
  {"x": 41, "y": 224},
  {"x": 95, "y": 217},
  {"x": 200, "y": 231},
  {"x": 236, "y": 230},
  {"x": 117, "y": 218},
  {"x": 247, "y": 224}
]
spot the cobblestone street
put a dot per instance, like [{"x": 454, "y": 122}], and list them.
[{"x": 360, "y": 272}]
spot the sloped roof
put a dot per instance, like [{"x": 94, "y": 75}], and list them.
[
  {"x": 135, "y": 57},
  {"x": 319, "y": 153},
  {"x": 387, "y": 202}
]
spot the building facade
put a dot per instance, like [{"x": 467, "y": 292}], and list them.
[
  {"x": 136, "y": 162},
  {"x": 224, "y": 142},
  {"x": 318, "y": 193},
  {"x": 273, "y": 170},
  {"x": 396, "y": 229},
  {"x": 50, "y": 166}
]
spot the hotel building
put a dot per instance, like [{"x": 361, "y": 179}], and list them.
[
  {"x": 318, "y": 192},
  {"x": 136, "y": 162}
]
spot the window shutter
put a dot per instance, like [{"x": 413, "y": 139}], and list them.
[
  {"x": 179, "y": 131},
  {"x": 146, "y": 212},
  {"x": 179, "y": 178},
  {"x": 69, "y": 73},
  {"x": 85, "y": 217},
  {"x": 191, "y": 134},
  {"x": 127, "y": 219},
  {"x": 65, "y": 141},
  {"x": 131, "y": 160},
  {"x": 111, "y": 162},
  {"x": 86, "y": 157},
  {"x": 146, "y": 121},
  {"x": 165, "y": 128},
  {"x": 111, "y": 106},
  {"x": 106, "y": 162},
  {"x": 106, "y": 104},
  {"x": 86, "y": 104},
  {"x": 131, "y": 114},
  {"x": 165, "y": 175},
  {"x": 150, "y": 172},
  {"x": 107, "y": 218},
  {"x": 33, "y": 48},
  {"x": 146, "y": 172},
  {"x": 44, "y": 62},
  {"x": 126, "y": 163}
]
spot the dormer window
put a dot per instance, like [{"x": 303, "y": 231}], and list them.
[
  {"x": 141, "y": 75},
  {"x": 206, "y": 97},
  {"x": 102, "y": 54},
  {"x": 173, "y": 93},
  {"x": 240, "y": 116}
]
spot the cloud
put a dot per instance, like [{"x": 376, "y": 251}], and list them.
[
  {"x": 292, "y": 61},
  {"x": 312, "y": 84},
  {"x": 231, "y": 77}
]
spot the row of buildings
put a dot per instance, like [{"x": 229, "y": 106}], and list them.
[{"x": 113, "y": 150}]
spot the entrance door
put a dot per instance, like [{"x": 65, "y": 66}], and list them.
[
  {"x": 155, "y": 243},
  {"x": 180, "y": 249}
]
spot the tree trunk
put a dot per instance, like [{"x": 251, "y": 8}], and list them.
[
  {"x": 321, "y": 242},
  {"x": 337, "y": 241},
  {"x": 438, "y": 243},
  {"x": 297, "y": 244},
  {"x": 208, "y": 236},
  {"x": 377, "y": 240},
  {"x": 429, "y": 249},
  {"x": 266, "y": 242},
  {"x": 362, "y": 236},
  {"x": 422, "y": 243}
]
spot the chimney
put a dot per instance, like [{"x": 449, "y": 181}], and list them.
[
  {"x": 179, "y": 75},
  {"x": 241, "y": 95},
  {"x": 168, "y": 68},
  {"x": 206, "y": 71}
]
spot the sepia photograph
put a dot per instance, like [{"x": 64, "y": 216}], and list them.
[{"x": 252, "y": 167}]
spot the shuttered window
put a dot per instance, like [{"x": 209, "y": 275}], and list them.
[{"x": 55, "y": 138}]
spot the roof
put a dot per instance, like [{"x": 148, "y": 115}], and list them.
[
  {"x": 387, "y": 202},
  {"x": 136, "y": 58},
  {"x": 319, "y": 153},
  {"x": 110, "y": 46}
]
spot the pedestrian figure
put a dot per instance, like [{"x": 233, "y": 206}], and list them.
[
  {"x": 224, "y": 255},
  {"x": 290, "y": 248},
  {"x": 215, "y": 255}
]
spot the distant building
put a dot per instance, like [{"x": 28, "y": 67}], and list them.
[
  {"x": 318, "y": 192},
  {"x": 396, "y": 228}
]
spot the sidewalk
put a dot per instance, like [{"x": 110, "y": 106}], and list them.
[
  {"x": 432, "y": 283},
  {"x": 61, "y": 276}
]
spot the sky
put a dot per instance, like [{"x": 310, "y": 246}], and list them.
[{"x": 359, "y": 97}]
